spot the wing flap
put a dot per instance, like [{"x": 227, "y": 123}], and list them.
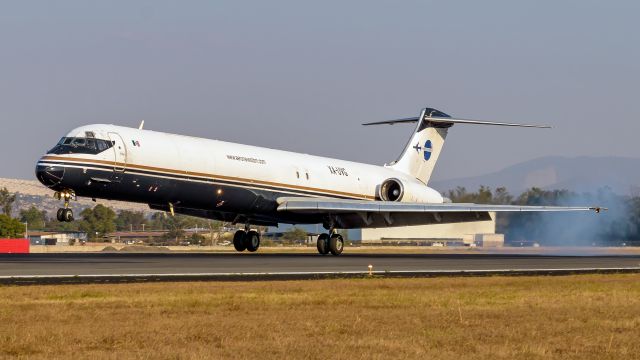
[{"x": 326, "y": 205}]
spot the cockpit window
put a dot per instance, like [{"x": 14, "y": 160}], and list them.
[
  {"x": 102, "y": 146},
  {"x": 79, "y": 145}
]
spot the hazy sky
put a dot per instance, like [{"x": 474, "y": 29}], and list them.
[{"x": 302, "y": 76}]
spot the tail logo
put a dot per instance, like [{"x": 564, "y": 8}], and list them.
[{"x": 427, "y": 150}]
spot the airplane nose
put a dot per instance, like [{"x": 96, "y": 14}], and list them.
[{"x": 48, "y": 175}]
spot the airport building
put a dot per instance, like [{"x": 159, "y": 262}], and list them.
[
  {"x": 477, "y": 233},
  {"x": 56, "y": 238}
]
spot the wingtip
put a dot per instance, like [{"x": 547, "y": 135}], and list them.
[{"x": 538, "y": 126}]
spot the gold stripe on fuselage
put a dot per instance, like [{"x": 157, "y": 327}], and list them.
[{"x": 214, "y": 176}]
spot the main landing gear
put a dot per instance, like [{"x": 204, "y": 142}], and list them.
[
  {"x": 246, "y": 240},
  {"x": 333, "y": 244},
  {"x": 64, "y": 214}
]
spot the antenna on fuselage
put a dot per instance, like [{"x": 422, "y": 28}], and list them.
[{"x": 141, "y": 125}]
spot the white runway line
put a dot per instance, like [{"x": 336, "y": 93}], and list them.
[{"x": 312, "y": 273}]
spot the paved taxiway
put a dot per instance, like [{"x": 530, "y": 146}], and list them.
[{"x": 244, "y": 263}]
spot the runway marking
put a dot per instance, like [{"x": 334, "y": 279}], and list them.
[{"x": 294, "y": 275}]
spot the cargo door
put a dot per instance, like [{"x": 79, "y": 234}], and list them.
[{"x": 120, "y": 152}]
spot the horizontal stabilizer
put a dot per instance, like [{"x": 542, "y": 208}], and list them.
[
  {"x": 425, "y": 144},
  {"x": 437, "y": 120},
  {"x": 438, "y": 117},
  {"x": 393, "y": 122}
]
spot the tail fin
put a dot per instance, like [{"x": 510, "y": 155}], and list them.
[{"x": 423, "y": 149}]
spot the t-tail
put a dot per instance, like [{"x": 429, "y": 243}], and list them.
[{"x": 421, "y": 153}]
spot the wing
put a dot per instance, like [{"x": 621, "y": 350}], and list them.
[
  {"x": 349, "y": 214},
  {"x": 333, "y": 206}
]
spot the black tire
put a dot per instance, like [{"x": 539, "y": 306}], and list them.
[
  {"x": 336, "y": 244},
  {"x": 238, "y": 240},
  {"x": 252, "y": 241},
  {"x": 59, "y": 215},
  {"x": 67, "y": 215},
  {"x": 323, "y": 244}
]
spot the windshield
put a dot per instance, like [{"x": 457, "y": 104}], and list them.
[{"x": 80, "y": 145}]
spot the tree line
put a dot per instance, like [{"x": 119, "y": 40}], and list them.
[
  {"x": 620, "y": 224},
  {"x": 97, "y": 222},
  {"x": 101, "y": 220},
  {"x": 9, "y": 227}
]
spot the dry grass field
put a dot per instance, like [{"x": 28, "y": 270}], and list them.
[{"x": 574, "y": 317}]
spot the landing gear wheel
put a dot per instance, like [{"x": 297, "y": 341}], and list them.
[
  {"x": 67, "y": 215},
  {"x": 252, "y": 241},
  {"x": 336, "y": 244},
  {"x": 323, "y": 244},
  {"x": 64, "y": 215},
  {"x": 238, "y": 240}
]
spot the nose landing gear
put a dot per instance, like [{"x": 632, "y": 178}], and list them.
[{"x": 65, "y": 214}]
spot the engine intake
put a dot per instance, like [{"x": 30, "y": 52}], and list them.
[{"x": 391, "y": 190}]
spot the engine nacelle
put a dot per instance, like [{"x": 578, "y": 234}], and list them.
[
  {"x": 394, "y": 189},
  {"x": 391, "y": 190}
]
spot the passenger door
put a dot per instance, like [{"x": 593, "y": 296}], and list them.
[{"x": 120, "y": 152}]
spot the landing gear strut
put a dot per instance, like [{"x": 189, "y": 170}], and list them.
[
  {"x": 246, "y": 240},
  {"x": 64, "y": 214},
  {"x": 333, "y": 244}
]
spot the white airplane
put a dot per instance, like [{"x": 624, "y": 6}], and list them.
[{"x": 260, "y": 186}]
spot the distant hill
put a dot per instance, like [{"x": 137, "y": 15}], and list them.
[
  {"x": 31, "y": 192},
  {"x": 580, "y": 174}
]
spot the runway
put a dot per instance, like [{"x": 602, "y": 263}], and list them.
[{"x": 124, "y": 267}]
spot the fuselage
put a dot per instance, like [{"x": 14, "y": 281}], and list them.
[{"x": 207, "y": 178}]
